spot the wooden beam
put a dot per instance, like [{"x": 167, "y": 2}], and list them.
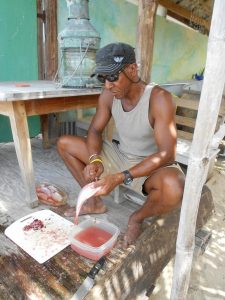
[
  {"x": 145, "y": 37},
  {"x": 40, "y": 20},
  {"x": 48, "y": 50},
  {"x": 185, "y": 13},
  {"x": 51, "y": 45},
  {"x": 178, "y": 18},
  {"x": 198, "y": 163}
]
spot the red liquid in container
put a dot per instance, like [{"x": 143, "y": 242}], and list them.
[{"x": 93, "y": 236}]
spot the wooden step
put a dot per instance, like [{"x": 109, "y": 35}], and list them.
[
  {"x": 186, "y": 121},
  {"x": 184, "y": 135}
]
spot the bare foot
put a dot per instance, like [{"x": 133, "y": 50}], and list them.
[
  {"x": 92, "y": 206},
  {"x": 132, "y": 233}
]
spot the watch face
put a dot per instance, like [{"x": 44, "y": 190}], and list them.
[{"x": 128, "y": 178}]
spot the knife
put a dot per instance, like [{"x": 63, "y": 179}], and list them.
[{"x": 89, "y": 281}]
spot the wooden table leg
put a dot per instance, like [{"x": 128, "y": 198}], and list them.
[
  {"x": 18, "y": 120},
  {"x": 44, "y": 131}
]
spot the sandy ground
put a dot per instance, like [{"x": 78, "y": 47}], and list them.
[{"x": 207, "y": 280}]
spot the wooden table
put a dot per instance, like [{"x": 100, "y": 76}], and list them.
[{"x": 18, "y": 101}]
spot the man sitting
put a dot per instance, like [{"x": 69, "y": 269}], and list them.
[{"x": 143, "y": 157}]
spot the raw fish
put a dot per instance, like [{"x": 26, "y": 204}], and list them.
[{"x": 85, "y": 193}]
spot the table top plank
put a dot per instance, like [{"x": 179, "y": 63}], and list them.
[
  {"x": 59, "y": 104},
  {"x": 40, "y": 89}
]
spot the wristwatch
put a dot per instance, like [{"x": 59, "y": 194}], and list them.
[{"x": 128, "y": 177}]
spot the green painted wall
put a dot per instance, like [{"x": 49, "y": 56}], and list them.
[
  {"x": 18, "y": 52},
  {"x": 179, "y": 52}
]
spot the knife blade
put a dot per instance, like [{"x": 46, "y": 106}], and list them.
[{"x": 89, "y": 281}]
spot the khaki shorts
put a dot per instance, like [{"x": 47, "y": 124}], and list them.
[{"x": 115, "y": 161}]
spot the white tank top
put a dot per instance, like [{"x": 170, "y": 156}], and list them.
[{"x": 135, "y": 133}]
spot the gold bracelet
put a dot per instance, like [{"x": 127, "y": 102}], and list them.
[
  {"x": 96, "y": 160},
  {"x": 93, "y": 155}
]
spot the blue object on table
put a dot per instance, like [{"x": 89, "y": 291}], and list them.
[{"x": 198, "y": 77}]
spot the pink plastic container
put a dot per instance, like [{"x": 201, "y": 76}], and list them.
[{"x": 94, "y": 252}]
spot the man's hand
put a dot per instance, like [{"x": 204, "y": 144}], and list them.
[
  {"x": 93, "y": 171},
  {"x": 108, "y": 183}
]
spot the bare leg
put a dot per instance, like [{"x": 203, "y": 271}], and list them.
[
  {"x": 73, "y": 151},
  {"x": 165, "y": 190}
]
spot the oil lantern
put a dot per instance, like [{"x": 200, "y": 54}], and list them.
[{"x": 78, "y": 44}]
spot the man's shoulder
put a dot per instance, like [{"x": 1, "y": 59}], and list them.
[
  {"x": 106, "y": 96},
  {"x": 159, "y": 92},
  {"x": 161, "y": 98}
]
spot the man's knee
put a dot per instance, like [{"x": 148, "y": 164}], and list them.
[
  {"x": 173, "y": 187},
  {"x": 62, "y": 143},
  {"x": 65, "y": 142},
  {"x": 74, "y": 146}
]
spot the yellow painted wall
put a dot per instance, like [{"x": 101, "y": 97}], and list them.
[{"x": 179, "y": 52}]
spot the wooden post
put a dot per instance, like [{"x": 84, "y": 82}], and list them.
[
  {"x": 51, "y": 44},
  {"x": 210, "y": 100},
  {"x": 47, "y": 42},
  {"x": 47, "y": 51},
  {"x": 145, "y": 37},
  {"x": 40, "y": 20}
]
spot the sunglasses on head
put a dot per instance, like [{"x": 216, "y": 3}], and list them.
[{"x": 110, "y": 78}]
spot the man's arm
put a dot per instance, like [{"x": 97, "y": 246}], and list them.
[
  {"x": 99, "y": 122},
  {"x": 162, "y": 119},
  {"x": 94, "y": 167}
]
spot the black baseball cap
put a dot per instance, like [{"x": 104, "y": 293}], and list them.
[{"x": 113, "y": 57}]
